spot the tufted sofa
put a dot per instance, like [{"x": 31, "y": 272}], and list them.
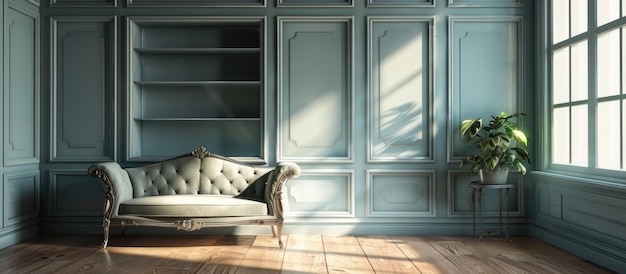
[{"x": 193, "y": 191}]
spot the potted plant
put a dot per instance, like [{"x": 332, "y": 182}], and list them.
[{"x": 502, "y": 146}]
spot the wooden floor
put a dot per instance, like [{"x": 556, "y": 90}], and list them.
[{"x": 302, "y": 254}]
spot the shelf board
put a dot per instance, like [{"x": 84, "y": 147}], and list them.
[
  {"x": 199, "y": 119},
  {"x": 196, "y": 50},
  {"x": 197, "y": 83}
]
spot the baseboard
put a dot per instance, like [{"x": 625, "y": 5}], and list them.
[{"x": 18, "y": 234}]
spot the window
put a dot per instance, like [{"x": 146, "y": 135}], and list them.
[{"x": 588, "y": 86}]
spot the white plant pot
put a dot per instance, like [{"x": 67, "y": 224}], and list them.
[{"x": 496, "y": 177}]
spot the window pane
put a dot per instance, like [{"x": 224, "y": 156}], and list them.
[
  {"x": 579, "y": 134},
  {"x": 609, "y": 63},
  {"x": 560, "y": 20},
  {"x": 560, "y": 136},
  {"x": 580, "y": 71},
  {"x": 560, "y": 76},
  {"x": 609, "y": 135},
  {"x": 608, "y": 10},
  {"x": 579, "y": 16}
]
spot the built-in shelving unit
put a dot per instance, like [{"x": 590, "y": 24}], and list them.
[{"x": 196, "y": 81}]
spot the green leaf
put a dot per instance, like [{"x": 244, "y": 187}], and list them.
[
  {"x": 470, "y": 127},
  {"x": 522, "y": 153},
  {"x": 520, "y": 136},
  {"x": 492, "y": 163},
  {"x": 521, "y": 168}
]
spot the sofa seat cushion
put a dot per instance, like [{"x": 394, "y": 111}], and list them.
[{"x": 192, "y": 206}]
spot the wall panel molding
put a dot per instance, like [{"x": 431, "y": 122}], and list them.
[
  {"x": 401, "y": 3},
  {"x": 400, "y": 193},
  {"x": 196, "y": 3},
  {"x": 20, "y": 197},
  {"x": 21, "y": 87},
  {"x": 315, "y": 3},
  {"x": 485, "y": 3},
  {"x": 315, "y": 89},
  {"x": 400, "y": 89},
  {"x": 485, "y": 61},
  {"x": 35, "y": 2},
  {"x": 72, "y": 192},
  {"x": 321, "y": 193},
  {"x": 83, "y": 3},
  {"x": 84, "y": 62}
]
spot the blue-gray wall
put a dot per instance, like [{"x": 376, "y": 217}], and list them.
[
  {"x": 366, "y": 96},
  {"x": 20, "y": 157},
  {"x": 378, "y": 144}
]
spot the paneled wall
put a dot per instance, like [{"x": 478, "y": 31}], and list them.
[
  {"x": 366, "y": 95},
  {"x": 585, "y": 217},
  {"x": 19, "y": 165}
]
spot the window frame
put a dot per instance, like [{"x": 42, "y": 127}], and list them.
[{"x": 545, "y": 69}]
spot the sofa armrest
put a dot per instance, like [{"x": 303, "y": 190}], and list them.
[
  {"x": 274, "y": 186},
  {"x": 116, "y": 183}
]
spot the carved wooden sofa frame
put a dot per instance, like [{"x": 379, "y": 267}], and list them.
[{"x": 192, "y": 191}]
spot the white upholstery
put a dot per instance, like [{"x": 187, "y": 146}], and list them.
[
  {"x": 192, "y": 206},
  {"x": 193, "y": 191}
]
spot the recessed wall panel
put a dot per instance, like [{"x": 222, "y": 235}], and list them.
[
  {"x": 400, "y": 193},
  {"x": 400, "y": 89},
  {"x": 460, "y": 196},
  {"x": 84, "y": 88},
  {"x": 315, "y": 89},
  {"x": 595, "y": 212},
  {"x": 320, "y": 193},
  {"x": 583, "y": 208},
  {"x": 20, "y": 197},
  {"x": 549, "y": 202},
  {"x": 485, "y": 68},
  {"x": 21, "y": 87},
  {"x": 74, "y": 193}
]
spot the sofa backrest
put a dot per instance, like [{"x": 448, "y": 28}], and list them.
[{"x": 210, "y": 174}]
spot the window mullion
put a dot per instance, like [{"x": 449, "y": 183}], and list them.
[
  {"x": 592, "y": 84},
  {"x": 621, "y": 87}
]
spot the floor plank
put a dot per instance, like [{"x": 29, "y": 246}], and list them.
[
  {"x": 460, "y": 253},
  {"x": 227, "y": 254},
  {"x": 345, "y": 255},
  {"x": 302, "y": 254},
  {"x": 264, "y": 256},
  {"x": 424, "y": 256},
  {"x": 385, "y": 256}
]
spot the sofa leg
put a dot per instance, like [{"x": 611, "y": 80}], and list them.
[
  {"x": 279, "y": 234},
  {"x": 105, "y": 226}
]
